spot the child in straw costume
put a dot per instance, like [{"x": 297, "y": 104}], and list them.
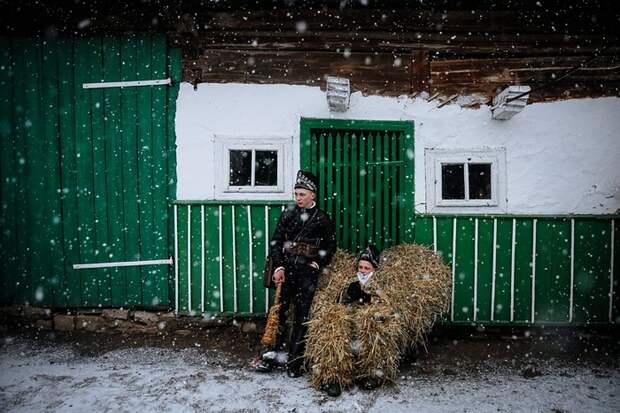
[{"x": 361, "y": 326}]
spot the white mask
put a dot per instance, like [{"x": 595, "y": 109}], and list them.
[{"x": 364, "y": 278}]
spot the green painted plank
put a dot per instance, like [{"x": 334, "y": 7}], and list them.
[
  {"x": 195, "y": 256},
  {"x": 385, "y": 176},
  {"x": 129, "y": 118},
  {"x": 337, "y": 187},
  {"x": 35, "y": 175},
  {"x": 503, "y": 254},
  {"x": 444, "y": 242},
  {"x": 330, "y": 177},
  {"x": 183, "y": 257},
  {"x": 552, "y": 291},
  {"x": 113, "y": 144},
  {"x": 362, "y": 190},
  {"x": 68, "y": 162},
  {"x": 485, "y": 267},
  {"x": 369, "y": 183},
  {"x": 322, "y": 170},
  {"x": 394, "y": 170},
  {"x": 260, "y": 242},
  {"x": 409, "y": 181},
  {"x": 444, "y": 239},
  {"x": 357, "y": 124},
  {"x": 174, "y": 72},
  {"x": 313, "y": 156},
  {"x": 52, "y": 246},
  {"x": 160, "y": 203},
  {"x": 274, "y": 215},
  {"x": 405, "y": 191},
  {"x": 227, "y": 257},
  {"x": 424, "y": 231},
  {"x": 347, "y": 211},
  {"x": 378, "y": 191},
  {"x": 84, "y": 168},
  {"x": 8, "y": 179},
  {"x": 145, "y": 162},
  {"x": 242, "y": 259},
  {"x": 464, "y": 270},
  {"x": 355, "y": 194},
  {"x": 100, "y": 190},
  {"x": 305, "y": 145},
  {"x": 212, "y": 271},
  {"x": 523, "y": 270},
  {"x": 592, "y": 265}
]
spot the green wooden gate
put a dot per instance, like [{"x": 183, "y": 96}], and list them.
[
  {"x": 87, "y": 174},
  {"x": 366, "y": 172}
]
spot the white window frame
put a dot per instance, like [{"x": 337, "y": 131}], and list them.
[
  {"x": 225, "y": 143},
  {"x": 435, "y": 158}
]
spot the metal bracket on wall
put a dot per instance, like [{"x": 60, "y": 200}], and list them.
[
  {"x": 132, "y": 83},
  {"x": 169, "y": 261}
]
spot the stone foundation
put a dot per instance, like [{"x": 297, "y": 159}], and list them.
[{"x": 115, "y": 320}]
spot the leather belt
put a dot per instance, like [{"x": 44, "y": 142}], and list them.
[{"x": 300, "y": 248}]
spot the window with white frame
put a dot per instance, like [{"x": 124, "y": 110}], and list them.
[
  {"x": 250, "y": 166},
  {"x": 470, "y": 179}
]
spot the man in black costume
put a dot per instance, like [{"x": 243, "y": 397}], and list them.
[{"x": 302, "y": 245}]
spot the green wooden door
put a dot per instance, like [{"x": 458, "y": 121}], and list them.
[
  {"x": 87, "y": 174},
  {"x": 365, "y": 170}
]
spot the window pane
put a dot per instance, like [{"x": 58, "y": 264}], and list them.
[
  {"x": 452, "y": 181},
  {"x": 266, "y": 173},
  {"x": 240, "y": 168},
  {"x": 479, "y": 181}
]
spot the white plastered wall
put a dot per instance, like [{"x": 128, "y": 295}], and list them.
[{"x": 561, "y": 157}]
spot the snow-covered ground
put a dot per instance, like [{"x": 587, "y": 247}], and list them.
[{"x": 37, "y": 376}]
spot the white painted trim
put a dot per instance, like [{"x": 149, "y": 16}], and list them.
[
  {"x": 122, "y": 264},
  {"x": 129, "y": 83},
  {"x": 435, "y": 234},
  {"x": 453, "y": 265},
  {"x": 250, "y": 240},
  {"x": 611, "y": 273},
  {"x": 512, "y": 270},
  {"x": 532, "y": 316},
  {"x": 189, "y": 259},
  {"x": 202, "y": 258},
  {"x": 572, "y": 268},
  {"x": 234, "y": 259},
  {"x": 176, "y": 261},
  {"x": 267, "y": 240},
  {"x": 221, "y": 259},
  {"x": 495, "y": 156},
  {"x": 475, "y": 269},
  {"x": 493, "y": 269},
  {"x": 283, "y": 144}
]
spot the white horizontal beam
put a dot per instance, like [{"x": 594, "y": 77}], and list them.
[
  {"x": 122, "y": 264},
  {"x": 132, "y": 83}
]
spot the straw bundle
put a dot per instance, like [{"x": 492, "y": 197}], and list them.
[
  {"x": 271, "y": 328},
  {"x": 411, "y": 288}
]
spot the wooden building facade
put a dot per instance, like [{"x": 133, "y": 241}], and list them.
[{"x": 117, "y": 174}]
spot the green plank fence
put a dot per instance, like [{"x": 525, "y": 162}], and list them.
[
  {"x": 87, "y": 175},
  {"x": 528, "y": 270},
  {"x": 506, "y": 270},
  {"x": 221, "y": 250}
]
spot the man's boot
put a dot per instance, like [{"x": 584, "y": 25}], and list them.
[{"x": 333, "y": 389}]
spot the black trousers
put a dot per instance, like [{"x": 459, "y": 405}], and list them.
[{"x": 298, "y": 290}]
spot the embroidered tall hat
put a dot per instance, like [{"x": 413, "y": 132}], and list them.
[
  {"x": 306, "y": 180},
  {"x": 370, "y": 254}
]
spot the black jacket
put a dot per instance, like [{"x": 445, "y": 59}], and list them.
[
  {"x": 354, "y": 294},
  {"x": 318, "y": 230}
]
